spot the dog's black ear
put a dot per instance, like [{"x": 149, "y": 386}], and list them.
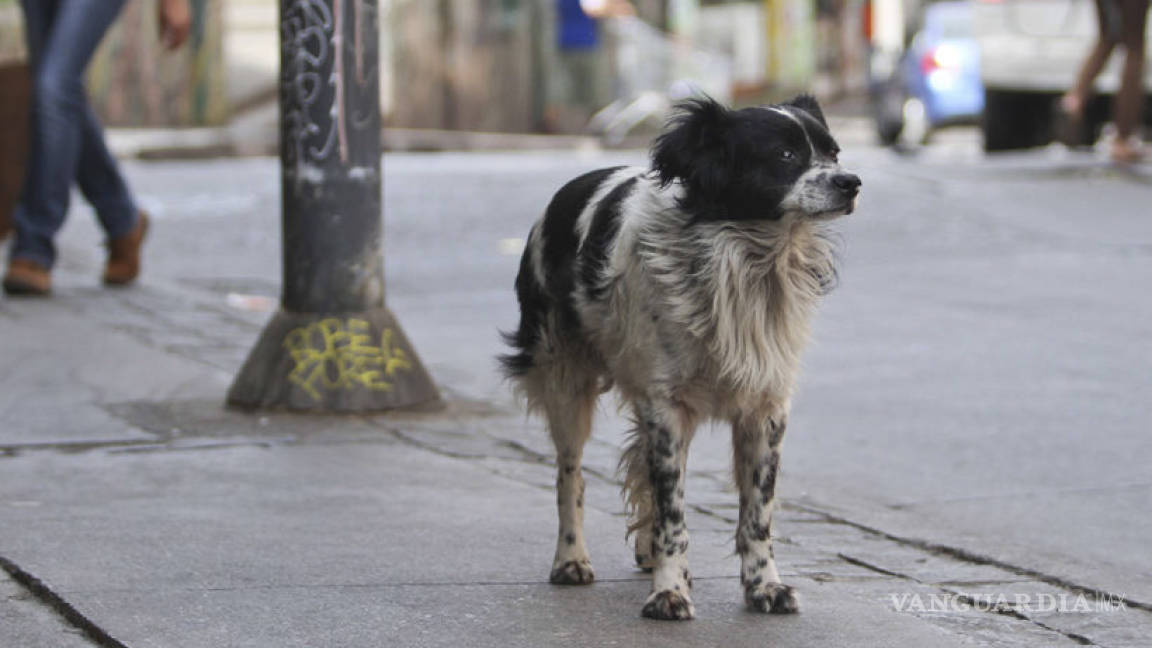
[
  {"x": 807, "y": 103},
  {"x": 694, "y": 147}
]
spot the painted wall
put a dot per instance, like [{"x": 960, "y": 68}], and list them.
[
  {"x": 736, "y": 30},
  {"x": 11, "y": 32},
  {"x": 464, "y": 64},
  {"x": 791, "y": 33},
  {"x": 132, "y": 81}
]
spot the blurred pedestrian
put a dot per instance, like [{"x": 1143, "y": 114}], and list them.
[
  {"x": 1121, "y": 22},
  {"x": 67, "y": 142},
  {"x": 581, "y": 81}
]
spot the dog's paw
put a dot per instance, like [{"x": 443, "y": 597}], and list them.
[
  {"x": 573, "y": 572},
  {"x": 668, "y": 605},
  {"x": 775, "y": 598}
]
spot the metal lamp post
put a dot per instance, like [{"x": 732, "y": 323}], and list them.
[{"x": 333, "y": 345}]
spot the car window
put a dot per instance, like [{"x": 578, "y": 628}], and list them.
[
  {"x": 1051, "y": 17},
  {"x": 950, "y": 22}
]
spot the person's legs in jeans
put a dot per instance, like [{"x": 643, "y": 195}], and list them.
[
  {"x": 67, "y": 142},
  {"x": 101, "y": 182},
  {"x": 38, "y": 16}
]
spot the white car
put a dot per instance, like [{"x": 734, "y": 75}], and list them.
[{"x": 1030, "y": 54}]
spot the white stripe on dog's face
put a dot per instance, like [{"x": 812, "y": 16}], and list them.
[{"x": 788, "y": 113}]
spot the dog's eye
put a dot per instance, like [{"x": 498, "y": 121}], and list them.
[
  {"x": 836, "y": 155},
  {"x": 787, "y": 155}
]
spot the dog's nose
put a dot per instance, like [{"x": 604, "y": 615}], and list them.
[{"x": 848, "y": 183}]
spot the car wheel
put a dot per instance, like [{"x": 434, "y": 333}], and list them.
[
  {"x": 1097, "y": 114},
  {"x": 1016, "y": 120},
  {"x": 1081, "y": 134},
  {"x": 888, "y": 131},
  {"x": 889, "y": 114}
]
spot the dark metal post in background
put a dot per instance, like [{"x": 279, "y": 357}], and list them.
[{"x": 333, "y": 345}]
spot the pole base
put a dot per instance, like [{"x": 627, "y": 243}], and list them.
[{"x": 337, "y": 362}]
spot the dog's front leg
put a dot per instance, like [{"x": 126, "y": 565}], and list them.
[
  {"x": 669, "y": 433},
  {"x": 757, "y": 457},
  {"x": 570, "y": 423}
]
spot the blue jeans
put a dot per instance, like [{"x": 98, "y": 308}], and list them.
[{"x": 67, "y": 143}]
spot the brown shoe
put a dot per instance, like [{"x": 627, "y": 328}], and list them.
[
  {"x": 124, "y": 254},
  {"x": 26, "y": 277}
]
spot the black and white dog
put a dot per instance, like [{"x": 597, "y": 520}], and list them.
[{"x": 689, "y": 286}]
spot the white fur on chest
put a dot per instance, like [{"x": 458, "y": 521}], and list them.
[{"x": 724, "y": 307}]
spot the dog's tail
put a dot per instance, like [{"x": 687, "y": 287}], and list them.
[
  {"x": 519, "y": 362},
  {"x": 637, "y": 489},
  {"x": 534, "y": 305}
]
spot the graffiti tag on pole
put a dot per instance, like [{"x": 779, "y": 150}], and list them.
[
  {"x": 340, "y": 354},
  {"x": 321, "y": 95},
  {"x": 307, "y": 28}
]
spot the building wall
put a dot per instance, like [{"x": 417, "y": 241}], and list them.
[
  {"x": 737, "y": 30},
  {"x": 132, "y": 81},
  {"x": 494, "y": 64},
  {"x": 465, "y": 64},
  {"x": 791, "y": 37},
  {"x": 11, "y": 32}
]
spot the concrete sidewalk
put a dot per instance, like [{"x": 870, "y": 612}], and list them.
[
  {"x": 136, "y": 511},
  {"x": 151, "y": 515}
]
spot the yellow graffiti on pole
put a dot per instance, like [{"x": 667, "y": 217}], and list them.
[{"x": 338, "y": 354}]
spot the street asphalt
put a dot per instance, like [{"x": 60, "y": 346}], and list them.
[{"x": 972, "y": 426}]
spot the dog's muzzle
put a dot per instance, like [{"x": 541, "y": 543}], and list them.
[{"x": 848, "y": 184}]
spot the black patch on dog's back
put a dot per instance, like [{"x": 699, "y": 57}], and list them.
[
  {"x": 604, "y": 228},
  {"x": 560, "y": 242},
  {"x": 560, "y": 238}
]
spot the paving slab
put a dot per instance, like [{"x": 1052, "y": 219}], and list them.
[
  {"x": 379, "y": 543},
  {"x": 499, "y": 616},
  {"x": 59, "y": 375},
  {"x": 25, "y": 621}
]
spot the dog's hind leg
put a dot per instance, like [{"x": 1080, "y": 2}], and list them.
[
  {"x": 570, "y": 424},
  {"x": 668, "y": 431},
  {"x": 756, "y": 448}
]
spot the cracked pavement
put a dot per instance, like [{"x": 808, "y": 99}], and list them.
[{"x": 971, "y": 431}]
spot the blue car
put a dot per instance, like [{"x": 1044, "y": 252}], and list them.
[{"x": 937, "y": 82}]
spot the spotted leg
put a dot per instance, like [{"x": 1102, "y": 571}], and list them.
[
  {"x": 756, "y": 445},
  {"x": 668, "y": 434},
  {"x": 570, "y": 423}
]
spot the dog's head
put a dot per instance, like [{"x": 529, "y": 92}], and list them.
[{"x": 756, "y": 163}]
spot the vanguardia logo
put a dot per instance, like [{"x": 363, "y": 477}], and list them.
[{"x": 1020, "y": 602}]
